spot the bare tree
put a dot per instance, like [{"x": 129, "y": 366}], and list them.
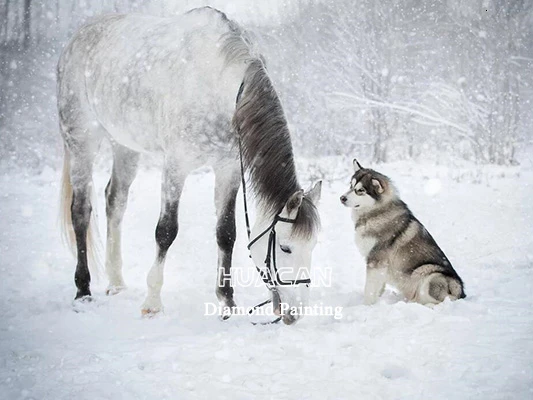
[{"x": 26, "y": 30}]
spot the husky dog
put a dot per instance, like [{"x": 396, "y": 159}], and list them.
[{"x": 397, "y": 247}]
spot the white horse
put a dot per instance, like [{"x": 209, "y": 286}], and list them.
[{"x": 189, "y": 88}]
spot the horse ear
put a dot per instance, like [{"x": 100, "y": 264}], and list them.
[
  {"x": 293, "y": 204},
  {"x": 314, "y": 193},
  {"x": 356, "y": 165}
]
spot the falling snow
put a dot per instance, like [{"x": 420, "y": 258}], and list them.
[{"x": 437, "y": 95}]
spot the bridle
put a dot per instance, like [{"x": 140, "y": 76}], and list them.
[{"x": 270, "y": 276}]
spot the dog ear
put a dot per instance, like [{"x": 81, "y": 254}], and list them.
[
  {"x": 314, "y": 193},
  {"x": 356, "y": 165},
  {"x": 377, "y": 185},
  {"x": 293, "y": 204}
]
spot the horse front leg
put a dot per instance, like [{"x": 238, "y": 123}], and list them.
[
  {"x": 227, "y": 182},
  {"x": 165, "y": 233}
]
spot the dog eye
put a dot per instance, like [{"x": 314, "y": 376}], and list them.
[
  {"x": 360, "y": 191},
  {"x": 285, "y": 249}
]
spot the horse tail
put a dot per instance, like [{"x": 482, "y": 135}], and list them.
[{"x": 67, "y": 229}]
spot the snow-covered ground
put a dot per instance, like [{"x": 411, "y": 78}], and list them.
[{"x": 477, "y": 348}]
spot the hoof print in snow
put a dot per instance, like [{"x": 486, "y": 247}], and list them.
[{"x": 394, "y": 372}]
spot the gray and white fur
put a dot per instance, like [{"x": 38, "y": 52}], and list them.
[{"x": 398, "y": 249}]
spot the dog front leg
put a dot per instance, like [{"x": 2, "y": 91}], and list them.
[{"x": 376, "y": 278}]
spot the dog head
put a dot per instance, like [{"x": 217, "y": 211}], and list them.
[{"x": 367, "y": 189}]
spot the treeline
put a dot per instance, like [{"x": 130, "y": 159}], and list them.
[
  {"x": 389, "y": 79},
  {"x": 409, "y": 79}
]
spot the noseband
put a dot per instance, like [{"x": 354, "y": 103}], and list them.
[{"x": 271, "y": 276}]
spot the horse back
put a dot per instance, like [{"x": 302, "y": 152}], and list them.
[{"x": 149, "y": 81}]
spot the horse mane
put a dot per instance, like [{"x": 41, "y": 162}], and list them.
[{"x": 260, "y": 124}]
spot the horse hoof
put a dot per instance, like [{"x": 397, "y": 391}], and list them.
[
  {"x": 224, "y": 317},
  {"x": 113, "y": 290},
  {"x": 81, "y": 303},
  {"x": 227, "y": 306},
  {"x": 83, "y": 299},
  {"x": 149, "y": 312}
]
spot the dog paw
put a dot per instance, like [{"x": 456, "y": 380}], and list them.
[{"x": 370, "y": 301}]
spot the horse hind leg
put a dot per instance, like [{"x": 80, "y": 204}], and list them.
[
  {"x": 227, "y": 182},
  {"x": 80, "y": 151},
  {"x": 125, "y": 163},
  {"x": 167, "y": 229}
]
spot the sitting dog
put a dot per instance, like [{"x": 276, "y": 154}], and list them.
[{"x": 398, "y": 249}]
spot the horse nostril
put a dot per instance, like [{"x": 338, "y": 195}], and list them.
[{"x": 343, "y": 199}]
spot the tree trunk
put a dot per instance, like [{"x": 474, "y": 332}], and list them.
[
  {"x": 26, "y": 24},
  {"x": 5, "y": 23}
]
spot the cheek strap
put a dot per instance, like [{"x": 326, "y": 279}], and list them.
[{"x": 271, "y": 275}]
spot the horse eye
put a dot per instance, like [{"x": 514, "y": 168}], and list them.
[{"x": 285, "y": 249}]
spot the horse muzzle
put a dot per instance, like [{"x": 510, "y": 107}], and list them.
[{"x": 276, "y": 302}]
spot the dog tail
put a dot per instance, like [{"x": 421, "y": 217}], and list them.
[
  {"x": 66, "y": 199},
  {"x": 456, "y": 288},
  {"x": 441, "y": 285}
]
